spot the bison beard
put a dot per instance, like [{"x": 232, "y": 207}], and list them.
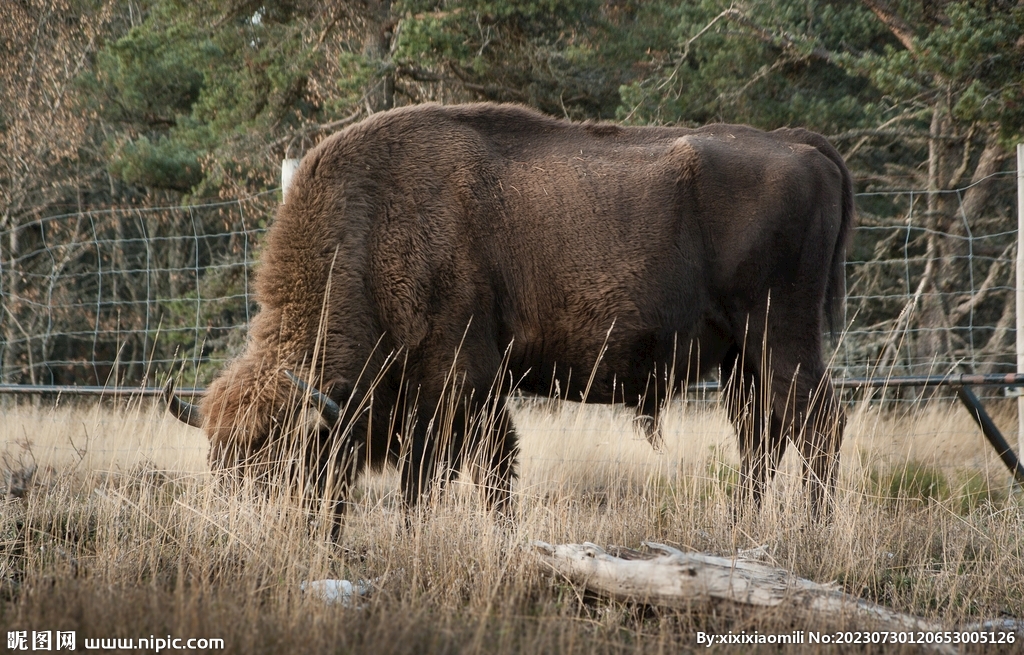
[{"x": 431, "y": 259}]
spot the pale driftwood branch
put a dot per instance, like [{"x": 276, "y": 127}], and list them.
[{"x": 672, "y": 578}]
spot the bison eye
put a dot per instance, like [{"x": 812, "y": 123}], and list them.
[{"x": 340, "y": 391}]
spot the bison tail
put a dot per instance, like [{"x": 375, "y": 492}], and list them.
[{"x": 835, "y": 293}]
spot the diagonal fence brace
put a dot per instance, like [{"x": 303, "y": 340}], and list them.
[{"x": 991, "y": 432}]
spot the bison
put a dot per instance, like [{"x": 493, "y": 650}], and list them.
[{"x": 430, "y": 260}]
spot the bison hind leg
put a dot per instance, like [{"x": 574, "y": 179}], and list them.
[
  {"x": 650, "y": 428},
  {"x": 820, "y": 440}
]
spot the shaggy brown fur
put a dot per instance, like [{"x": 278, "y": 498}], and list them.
[{"x": 430, "y": 259}]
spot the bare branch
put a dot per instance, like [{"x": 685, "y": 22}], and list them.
[
  {"x": 672, "y": 578},
  {"x": 990, "y": 163},
  {"x": 776, "y": 38},
  {"x": 779, "y": 38},
  {"x": 899, "y": 27}
]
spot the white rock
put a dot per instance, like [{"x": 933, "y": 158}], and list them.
[{"x": 336, "y": 591}]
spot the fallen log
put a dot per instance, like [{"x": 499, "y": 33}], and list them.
[{"x": 668, "y": 577}]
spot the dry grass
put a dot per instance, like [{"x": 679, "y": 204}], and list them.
[{"x": 122, "y": 532}]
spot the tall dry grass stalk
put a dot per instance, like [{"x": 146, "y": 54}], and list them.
[{"x": 113, "y": 527}]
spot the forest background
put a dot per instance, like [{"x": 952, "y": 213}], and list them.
[{"x": 162, "y": 103}]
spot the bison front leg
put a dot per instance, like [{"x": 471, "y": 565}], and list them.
[
  {"x": 336, "y": 462},
  {"x": 418, "y": 462},
  {"x": 437, "y": 448}
]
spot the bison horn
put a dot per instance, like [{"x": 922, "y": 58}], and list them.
[
  {"x": 323, "y": 403},
  {"x": 184, "y": 411}
]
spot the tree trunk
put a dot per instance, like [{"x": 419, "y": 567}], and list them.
[
  {"x": 8, "y": 291},
  {"x": 933, "y": 343},
  {"x": 377, "y": 48}
]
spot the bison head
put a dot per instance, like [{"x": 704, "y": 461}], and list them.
[{"x": 266, "y": 422}]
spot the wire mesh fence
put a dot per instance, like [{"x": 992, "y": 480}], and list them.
[
  {"x": 930, "y": 284},
  {"x": 120, "y": 297},
  {"x": 114, "y": 297}
]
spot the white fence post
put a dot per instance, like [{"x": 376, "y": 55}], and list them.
[
  {"x": 1020, "y": 292},
  {"x": 288, "y": 168}
]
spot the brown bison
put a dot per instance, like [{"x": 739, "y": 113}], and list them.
[{"x": 430, "y": 260}]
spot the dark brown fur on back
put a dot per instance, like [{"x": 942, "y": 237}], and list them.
[{"x": 498, "y": 247}]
